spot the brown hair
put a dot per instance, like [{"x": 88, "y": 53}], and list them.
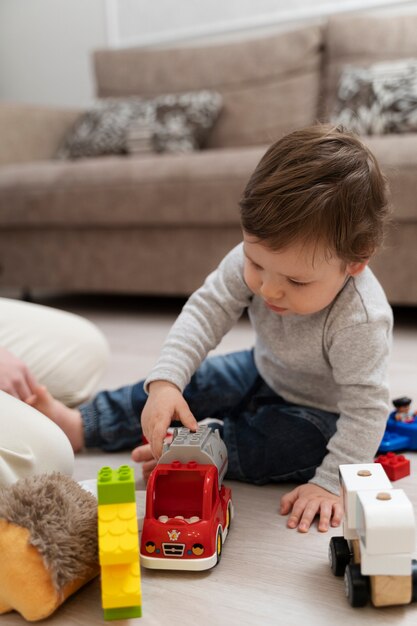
[{"x": 319, "y": 184}]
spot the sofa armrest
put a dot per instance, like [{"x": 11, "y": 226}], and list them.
[{"x": 32, "y": 133}]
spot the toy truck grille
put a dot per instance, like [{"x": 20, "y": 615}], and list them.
[{"x": 173, "y": 549}]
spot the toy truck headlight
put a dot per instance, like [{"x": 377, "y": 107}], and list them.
[
  {"x": 197, "y": 549},
  {"x": 150, "y": 547}
]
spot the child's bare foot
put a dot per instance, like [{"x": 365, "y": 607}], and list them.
[
  {"x": 69, "y": 420},
  {"x": 143, "y": 454}
]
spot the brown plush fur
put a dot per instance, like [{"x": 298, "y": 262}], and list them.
[{"x": 61, "y": 518}]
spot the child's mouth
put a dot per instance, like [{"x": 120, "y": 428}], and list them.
[{"x": 277, "y": 309}]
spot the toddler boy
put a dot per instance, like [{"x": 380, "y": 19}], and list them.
[{"x": 313, "y": 392}]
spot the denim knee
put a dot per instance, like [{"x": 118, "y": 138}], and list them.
[
  {"x": 221, "y": 384},
  {"x": 274, "y": 446}
]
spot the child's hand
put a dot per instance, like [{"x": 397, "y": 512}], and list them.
[
  {"x": 307, "y": 501},
  {"x": 143, "y": 454},
  {"x": 164, "y": 404}
]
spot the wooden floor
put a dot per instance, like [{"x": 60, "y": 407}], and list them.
[{"x": 268, "y": 575}]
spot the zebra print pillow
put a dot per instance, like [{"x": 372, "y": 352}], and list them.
[
  {"x": 167, "y": 123},
  {"x": 378, "y": 99}
]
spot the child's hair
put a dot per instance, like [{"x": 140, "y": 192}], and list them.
[{"x": 318, "y": 185}]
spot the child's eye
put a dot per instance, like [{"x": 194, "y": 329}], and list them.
[
  {"x": 255, "y": 265},
  {"x": 296, "y": 283}
]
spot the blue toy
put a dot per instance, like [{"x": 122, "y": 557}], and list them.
[{"x": 401, "y": 429}]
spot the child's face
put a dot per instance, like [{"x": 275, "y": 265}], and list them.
[{"x": 298, "y": 279}]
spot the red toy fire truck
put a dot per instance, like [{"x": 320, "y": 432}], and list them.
[{"x": 188, "y": 509}]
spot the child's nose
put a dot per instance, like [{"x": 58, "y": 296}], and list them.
[{"x": 271, "y": 290}]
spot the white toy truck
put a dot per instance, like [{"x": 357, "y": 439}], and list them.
[{"x": 375, "y": 552}]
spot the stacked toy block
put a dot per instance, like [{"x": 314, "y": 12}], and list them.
[
  {"x": 395, "y": 465},
  {"x": 118, "y": 542}
]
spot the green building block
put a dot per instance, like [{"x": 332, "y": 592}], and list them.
[
  {"x": 124, "y": 612},
  {"x": 115, "y": 486}
]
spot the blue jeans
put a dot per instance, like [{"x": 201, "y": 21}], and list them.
[{"x": 268, "y": 439}]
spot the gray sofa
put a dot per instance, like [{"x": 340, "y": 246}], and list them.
[{"x": 158, "y": 224}]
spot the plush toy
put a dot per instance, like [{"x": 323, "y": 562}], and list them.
[{"x": 48, "y": 543}]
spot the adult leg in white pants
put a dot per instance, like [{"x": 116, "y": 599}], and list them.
[
  {"x": 68, "y": 355},
  {"x": 30, "y": 443}
]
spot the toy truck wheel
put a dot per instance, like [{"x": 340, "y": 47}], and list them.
[
  {"x": 229, "y": 516},
  {"x": 356, "y": 585},
  {"x": 219, "y": 545},
  {"x": 339, "y": 555},
  {"x": 414, "y": 580}
]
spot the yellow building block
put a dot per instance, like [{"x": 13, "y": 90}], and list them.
[
  {"x": 118, "y": 533},
  {"x": 120, "y": 586},
  {"x": 118, "y": 544}
]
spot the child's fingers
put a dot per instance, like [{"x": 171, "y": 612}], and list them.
[
  {"x": 146, "y": 474},
  {"x": 297, "y": 512},
  {"x": 40, "y": 395},
  {"x": 287, "y": 501},
  {"x": 337, "y": 514},
  {"x": 147, "y": 468},
  {"x": 186, "y": 417},
  {"x": 305, "y": 502},
  {"x": 157, "y": 437},
  {"x": 149, "y": 465},
  {"x": 307, "y": 516},
  {"x": 141, "y": 454},
  {"x": 326, "y": 509}
]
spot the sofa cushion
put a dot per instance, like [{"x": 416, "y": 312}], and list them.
[
  {"x": 397, "y": 155},
  {"x": 378, "y": 99},
  {"x": 189, "y": 189},
  {"x": 167, "y": 123},
  {"x": 160, "y": 190},
  {"x": 361, "y": 41},
  {"x": 270, "y": 85}
]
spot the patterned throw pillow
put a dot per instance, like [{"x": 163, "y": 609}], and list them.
[
  {"x": 378, "y": 99},
  {"x": 167, "y": 123}
]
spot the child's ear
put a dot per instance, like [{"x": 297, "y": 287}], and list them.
[{"x": 353, "y": 269}]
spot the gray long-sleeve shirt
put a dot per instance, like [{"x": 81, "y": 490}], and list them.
[{"x": 334, "y": 360}]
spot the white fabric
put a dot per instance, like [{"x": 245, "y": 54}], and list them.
[
  {"x": 30, "y": 443},
  {"x": 66, "y": 353}
]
